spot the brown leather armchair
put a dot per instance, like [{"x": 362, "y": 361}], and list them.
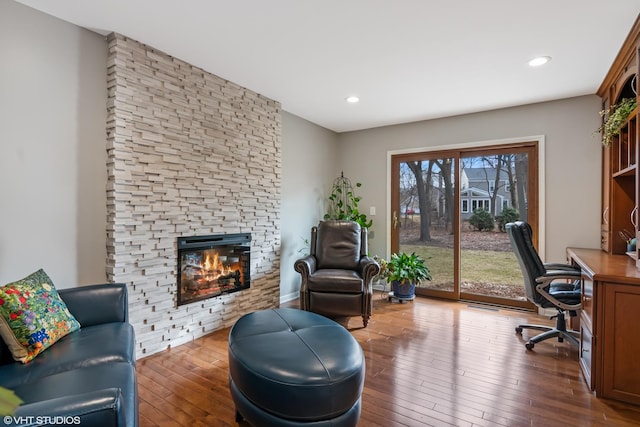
[{"x": 337, "y": 274}]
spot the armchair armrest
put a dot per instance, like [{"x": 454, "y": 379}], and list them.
[
  {"x": 559, "y": 266},
  {"x": 545, "y": 280},
  {"x": 552, "y": 275},
  {"x": 97, "y": 304},
  {"x": 101, "y": 408},
  {"x": 306, "y": 266},
  {"x": 369, "y": 268}
]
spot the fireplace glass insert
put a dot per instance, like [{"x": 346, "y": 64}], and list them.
[{"x": 209, "y": 266}]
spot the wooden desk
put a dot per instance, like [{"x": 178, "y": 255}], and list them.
[{"x": 609, "y": 323}]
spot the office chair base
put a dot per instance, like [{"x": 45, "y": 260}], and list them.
[
  {"x": 570, "y": 336},
  {"x": 560, "y": 331}
]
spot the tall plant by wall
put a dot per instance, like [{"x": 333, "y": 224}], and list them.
[{"x": 343, "y": 202}]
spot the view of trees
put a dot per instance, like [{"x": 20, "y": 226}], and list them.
[{"x": 428, "y": 187}]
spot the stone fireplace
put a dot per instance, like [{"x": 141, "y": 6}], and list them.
[{"x": 188, "y": 154}]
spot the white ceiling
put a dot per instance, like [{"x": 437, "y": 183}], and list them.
[{"x": 407, "y": 60}]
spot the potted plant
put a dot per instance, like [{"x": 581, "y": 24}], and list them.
[
  {"x": 615, "y": 115},
  {"x": 405, "y": 272},
  {"x": 343, "y": 203}
]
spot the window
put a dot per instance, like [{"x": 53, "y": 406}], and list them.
[
  {"x": 480, "y": 204},
  {"x": 465, "y": 206}
]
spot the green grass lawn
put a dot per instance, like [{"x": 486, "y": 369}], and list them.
[{"x": 477, "y": 266}]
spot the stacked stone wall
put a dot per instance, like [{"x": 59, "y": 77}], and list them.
[{"x": 189, "y": 153}]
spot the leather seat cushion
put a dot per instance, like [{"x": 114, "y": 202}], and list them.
[
  {"x": 338, "y": 281},
  {"x": 120, "y": 375},
  {"x": 568, "y": 293},
  {"x": 295, "y": 364},
  {"x": 93, "y": 345}
]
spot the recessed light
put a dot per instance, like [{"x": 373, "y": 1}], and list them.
[
  {"x": 352, "y": 99},
  {"x": 540, "y": 60}
]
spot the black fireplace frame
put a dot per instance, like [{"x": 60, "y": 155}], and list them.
[{"x": 241, "y": 243}]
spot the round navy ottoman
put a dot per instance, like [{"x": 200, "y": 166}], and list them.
[{"x": 289, "y": 367}]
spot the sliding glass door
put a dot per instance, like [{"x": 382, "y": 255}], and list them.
[
  {"x": 451, "y": 207},
  {"x": 424, "y": 215}
]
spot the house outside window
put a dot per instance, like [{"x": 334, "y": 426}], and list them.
[{"x": 480, "y": 204}]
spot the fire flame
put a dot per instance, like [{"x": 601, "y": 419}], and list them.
[{"x": 214, "y": 265}]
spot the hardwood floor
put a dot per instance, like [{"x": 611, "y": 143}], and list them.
[{"x": 429, "y": 362}]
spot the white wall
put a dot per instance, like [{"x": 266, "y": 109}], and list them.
[
  {"x": 53, "y": 173},
  {"x": 572, "y": 162},
  {"x": 309, "y": 154},
  {"x": 52, "y": 167}
]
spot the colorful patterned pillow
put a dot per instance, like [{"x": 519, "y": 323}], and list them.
[{"x": 33, "y": 316}]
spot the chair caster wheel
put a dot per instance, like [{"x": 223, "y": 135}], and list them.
[
  {"x": 529, "y": 345},
  {"x": 518, "y": 330}
]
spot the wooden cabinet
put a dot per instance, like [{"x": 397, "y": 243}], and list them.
[
  {"x": 610, "y": 315},
  {"x": 620, "y": 182},
  {"x": 620, "y": 342},
  {"x": 609, "y": 322}
]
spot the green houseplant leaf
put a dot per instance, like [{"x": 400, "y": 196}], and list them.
[
  {"x": 616, "y": 115},
  {"x": 405, "y": 268}
]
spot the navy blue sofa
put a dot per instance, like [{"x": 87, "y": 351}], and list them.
[{"x": 88, "y": 377}]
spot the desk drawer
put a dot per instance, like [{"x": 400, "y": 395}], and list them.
[
  {"x": 587, "y": 299},
  {"x": 586, "y": 355}
]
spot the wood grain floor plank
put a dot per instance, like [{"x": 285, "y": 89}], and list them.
[{"x": 428, "y": 363}]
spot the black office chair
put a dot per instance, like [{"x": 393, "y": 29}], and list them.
[{"x": 547, "y": 285}]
